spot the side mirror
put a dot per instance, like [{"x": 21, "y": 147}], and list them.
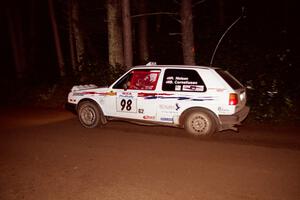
[{"x": 125, "y": 86}]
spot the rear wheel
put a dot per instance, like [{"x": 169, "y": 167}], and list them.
[
  {"x": 200, "y": 123},
  {"x": 89, "y": 114}
]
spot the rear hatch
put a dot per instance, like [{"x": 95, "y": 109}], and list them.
[{"x": 238, "y": 88}]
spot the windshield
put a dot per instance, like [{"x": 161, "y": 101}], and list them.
[{"x": 235, "y": 84}]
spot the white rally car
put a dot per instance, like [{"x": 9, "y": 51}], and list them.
[{"x": 200, "y": 99}]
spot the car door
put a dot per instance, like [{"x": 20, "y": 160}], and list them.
[
  {"x": 135, "y": 95},
  {"x": 182, "y": 89}
]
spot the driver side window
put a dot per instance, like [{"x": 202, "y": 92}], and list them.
[
  {"x": 141, "y": 79},
  {"x": 122, "y": 84}
]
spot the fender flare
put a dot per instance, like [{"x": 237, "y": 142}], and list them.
[
  {"x": 189, "y": 110},
  {"x": 103, "y": 118}
]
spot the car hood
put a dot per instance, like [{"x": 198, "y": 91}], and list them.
[{"x": 89, "y": 87}]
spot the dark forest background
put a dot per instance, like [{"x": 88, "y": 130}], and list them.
[{"x": 261, "y": 49}]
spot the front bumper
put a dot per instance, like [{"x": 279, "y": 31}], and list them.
[{"x": 236, "y": 118}]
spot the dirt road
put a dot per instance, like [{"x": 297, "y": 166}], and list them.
[{"x": 46, "y": 154}]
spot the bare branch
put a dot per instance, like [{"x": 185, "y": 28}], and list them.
[
  {"x": 179, "y": 21},
  {"x": 175, "y": 34},
  {"x": 156, "y": 13},
  {"x": 199, "y": 2}
]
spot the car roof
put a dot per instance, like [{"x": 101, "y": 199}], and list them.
[{"x": 175, "y": 66}]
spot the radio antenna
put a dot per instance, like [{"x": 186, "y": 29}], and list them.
[{"x": 220, "y": 40}]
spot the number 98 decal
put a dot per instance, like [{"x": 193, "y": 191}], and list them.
[{"x": 126, "y": 105}]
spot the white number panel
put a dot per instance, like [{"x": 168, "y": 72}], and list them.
[{"x": 126, "y": 102}]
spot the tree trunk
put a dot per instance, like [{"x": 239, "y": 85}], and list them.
[
  {"x": 56, "y": 39},
  {"x": 115, "y": 37},
  {"x": 127, "y": 33},
  {"x": 187, "y": 32},
  {"x": 143, "y": 30},
  {"x": 79, "y": 43},
  {"x": 71, "y": 39},
  {"x": 17, "y": 42},
  {"x": 32, "y": 50}
]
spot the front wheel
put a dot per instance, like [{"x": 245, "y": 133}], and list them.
[
  {"x": 89, "y": 114},
  {"x": 200, "y": 123}
]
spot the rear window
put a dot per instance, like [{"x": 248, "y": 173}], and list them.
[{"x": 234, "y": 84}]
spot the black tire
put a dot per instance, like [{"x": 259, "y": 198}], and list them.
[
  {"x": 89, "y": 114},
  {"x": 200, "y": 123}
]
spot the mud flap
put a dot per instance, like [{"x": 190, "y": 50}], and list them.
[
  {"x": 229, "y": 127},
  {"x": 103, "y": 119}
]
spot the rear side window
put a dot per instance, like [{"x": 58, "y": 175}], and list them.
[
  {"x": 182, "y": 80},
  {"x": 234, "y": 84}
]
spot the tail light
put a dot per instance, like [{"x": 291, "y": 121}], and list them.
[{"x": 233, "y": 99}]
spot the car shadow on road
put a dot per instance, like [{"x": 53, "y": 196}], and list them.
[{"x": 247, "y": 135}]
